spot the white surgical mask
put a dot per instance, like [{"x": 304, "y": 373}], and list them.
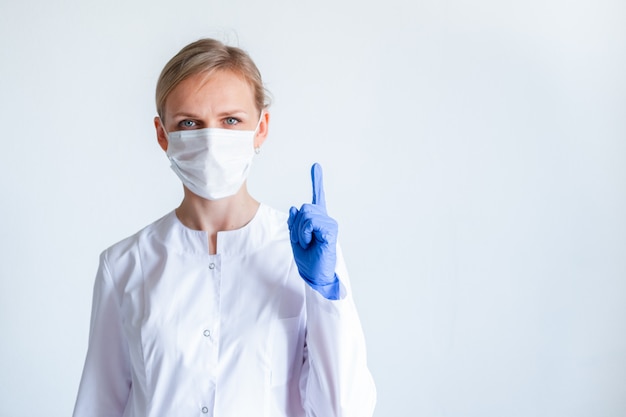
[{"x": 212, "y": 163}]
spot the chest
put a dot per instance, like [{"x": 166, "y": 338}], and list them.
[{"x": 175, "y": 307}]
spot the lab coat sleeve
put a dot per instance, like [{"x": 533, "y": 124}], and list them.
[
  {"x": 105, "y": 382},
  {"x": 335, "y": 381}
]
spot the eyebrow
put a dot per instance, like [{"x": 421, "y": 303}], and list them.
[
  {"x": 185, "y": 114},
  {"x": 233, "y": 111},
  {"x": 220, "y": 114}
]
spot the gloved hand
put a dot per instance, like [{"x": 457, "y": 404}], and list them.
[{"x": 314, "y": 241}]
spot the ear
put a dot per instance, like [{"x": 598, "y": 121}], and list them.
[
  {"x": 261, "y": 134},
  {"x": 161, "y": 135}
]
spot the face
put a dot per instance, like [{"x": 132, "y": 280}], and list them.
[{"x": 221, "y": 100}]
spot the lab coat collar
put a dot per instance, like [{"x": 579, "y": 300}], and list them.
[{"x": 244, "y": 240}]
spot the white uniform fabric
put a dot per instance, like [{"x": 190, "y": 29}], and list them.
[{"x": 178, "y": 332}]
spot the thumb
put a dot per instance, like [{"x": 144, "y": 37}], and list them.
[{"x": 319, "y": 197}]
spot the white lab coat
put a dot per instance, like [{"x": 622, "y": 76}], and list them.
[{"x": 178, "y": 332}]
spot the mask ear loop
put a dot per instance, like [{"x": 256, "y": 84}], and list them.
[
  {"x": 257, "y": 149},
  {"x": 167, "y": 134}
]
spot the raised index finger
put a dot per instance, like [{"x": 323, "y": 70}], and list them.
[{"x": 318, "y": 186}]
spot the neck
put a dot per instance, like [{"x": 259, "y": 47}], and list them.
[{"x": 213, "y": 216}]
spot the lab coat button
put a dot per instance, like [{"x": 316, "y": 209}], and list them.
[
  {"x": 211, "y": 265},
  {"x": 207, "y": 333},
  {"x": 205, "y": 410}
]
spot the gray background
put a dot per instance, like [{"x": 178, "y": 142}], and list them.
[{"x": 474, "y": 155}]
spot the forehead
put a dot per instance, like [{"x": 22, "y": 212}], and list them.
[{"x": 214, "y": 89}]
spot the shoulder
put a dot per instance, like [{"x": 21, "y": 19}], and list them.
[
  {"x": 129, "y": 245},
  {"x": 274, "y": 222},
  {"x": 273, "y": 216}
]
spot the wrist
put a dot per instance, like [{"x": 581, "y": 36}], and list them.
[{"x": 330, "y": 291}]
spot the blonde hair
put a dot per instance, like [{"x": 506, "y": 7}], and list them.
[{"x": 205, "y": 56}]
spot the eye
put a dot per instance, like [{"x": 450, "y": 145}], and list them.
[
  {"x": 187, "y": 124},
  {"x": 231, "y": 121}
]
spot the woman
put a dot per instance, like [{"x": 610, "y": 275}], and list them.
[{"x": 224, "y": 306}]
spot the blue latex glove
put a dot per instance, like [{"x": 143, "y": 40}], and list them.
[{"x": 314, "y": 241}]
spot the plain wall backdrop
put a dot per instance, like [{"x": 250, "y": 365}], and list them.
[{"x": 474, "y": 157}]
